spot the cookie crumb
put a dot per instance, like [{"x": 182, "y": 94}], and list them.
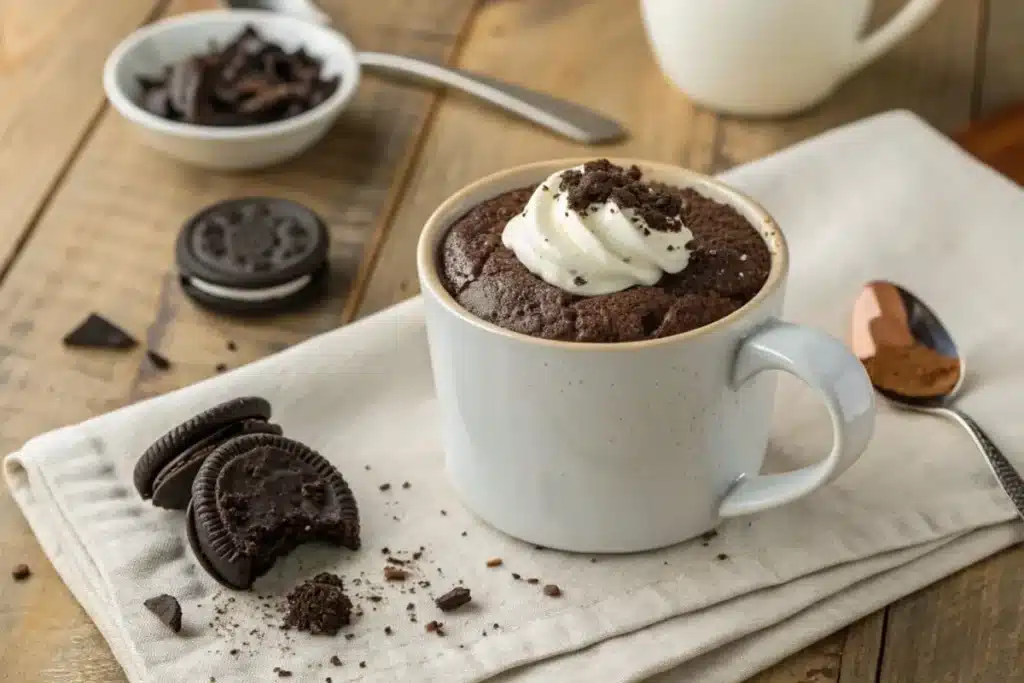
[
  {"x": 552, "y": 591},
  {"x": 406, "y": 485},
  {"x": 392, "y": 573},
  {"x": 335, "y": 660},
  {"x": 533, "y": 581},
  {"x": 319, "y": 606},
  {"x": 495, "y": 562},
  {"x": 21, "y": 572},
  {"x": 220, "y": 367},
  {"x": 453, "y": 599},
  {"x": 722, "y": 556},
  {"x": 384, "y": 487},
  {"x": 435, "y": 627}
]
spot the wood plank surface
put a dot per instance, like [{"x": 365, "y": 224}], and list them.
[
  {"x": 104, "y": 243},
  {"x": 51, "y": 58}
]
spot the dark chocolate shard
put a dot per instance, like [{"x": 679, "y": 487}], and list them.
[
  {"x": 453, "y": 599},
  {"x": 96, "y": 332},
  {"x": 158, "y": 361},
  {"x": 167, "y": 609}
]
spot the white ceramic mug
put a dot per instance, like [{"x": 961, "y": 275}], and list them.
[
  {"x": 769, "y": 57},
  {"x": 628, "y": 446}
]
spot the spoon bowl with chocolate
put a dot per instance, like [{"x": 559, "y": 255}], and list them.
[
  {"x": 912, "y": 360},
  {"x": 232, "y": 90}
]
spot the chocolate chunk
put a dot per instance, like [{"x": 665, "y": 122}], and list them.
[
  {"x": 21, "y": 572},
  {"x": 167, "y": 609},
  {"x": 395, "y": 573},
  {"x": 319, "y": 606},
  {"x": 248, "y": 81},
  {"x": 453, "y": 599},
  {"x": 157, "y": 361},
  {"x": 96, "y": 332},
  {"x": 552, "y": 591}
]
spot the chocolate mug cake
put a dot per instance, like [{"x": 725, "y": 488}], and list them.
[{"x": 596, "y": 254}]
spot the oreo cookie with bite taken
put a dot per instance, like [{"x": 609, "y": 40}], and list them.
[
  {"x": 164, "y": 472},
  {"x": 257, "y": 498},
  {"x": 254, "y": 255}
]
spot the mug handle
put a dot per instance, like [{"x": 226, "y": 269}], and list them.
[
  {"x": 908, "y": 19},
  {"x": 827, "y": 366}
]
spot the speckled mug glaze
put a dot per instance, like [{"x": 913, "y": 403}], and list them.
[{"x": 632, "y": 446}]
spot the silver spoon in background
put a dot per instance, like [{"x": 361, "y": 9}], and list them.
[
  {"x": 566, "y": 118},
  {"x": 887, "y": 314}
]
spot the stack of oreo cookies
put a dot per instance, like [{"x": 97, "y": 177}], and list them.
[
  {"x": 254, "y": 255},
  {"x": 251, "y": 494}
]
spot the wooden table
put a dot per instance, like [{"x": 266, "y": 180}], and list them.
[{"x": 88, "y": 218}]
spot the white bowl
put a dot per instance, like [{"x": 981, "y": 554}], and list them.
[{"x": 148, "y": 50}]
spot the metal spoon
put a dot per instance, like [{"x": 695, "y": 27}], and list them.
[
  {"x": 566, "y": 118},
  {"x": 886, "y": 314}
]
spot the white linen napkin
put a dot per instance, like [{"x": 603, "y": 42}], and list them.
[{"x": 884, "y": 198}]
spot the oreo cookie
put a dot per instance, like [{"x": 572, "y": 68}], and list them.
[
  {"x": 164, "y": 472},
  {"x": 257, "y": 498},
  {"x": 253, "y": 255}
]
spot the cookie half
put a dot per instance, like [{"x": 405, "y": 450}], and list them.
[
  {"x": 172, "y": 444},
  {"x": 258, "y": 497},
  {"x": 253, "y": 255},
  {"x": 172, "y": 486}
]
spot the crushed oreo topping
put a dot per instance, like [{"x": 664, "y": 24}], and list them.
[{"x": 602, "y": 181}]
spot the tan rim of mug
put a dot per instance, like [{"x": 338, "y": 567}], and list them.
[{"x": 440, "y": 220}]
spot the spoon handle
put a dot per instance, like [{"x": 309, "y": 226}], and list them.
[
  {"x": 1005, "y": 473},
  {"x": 567, "y": 118}
]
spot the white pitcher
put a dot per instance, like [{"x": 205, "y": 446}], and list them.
[{"x": 769, "y": 57}]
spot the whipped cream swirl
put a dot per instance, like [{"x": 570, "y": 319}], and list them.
[{"x": 603, "y": 249}]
